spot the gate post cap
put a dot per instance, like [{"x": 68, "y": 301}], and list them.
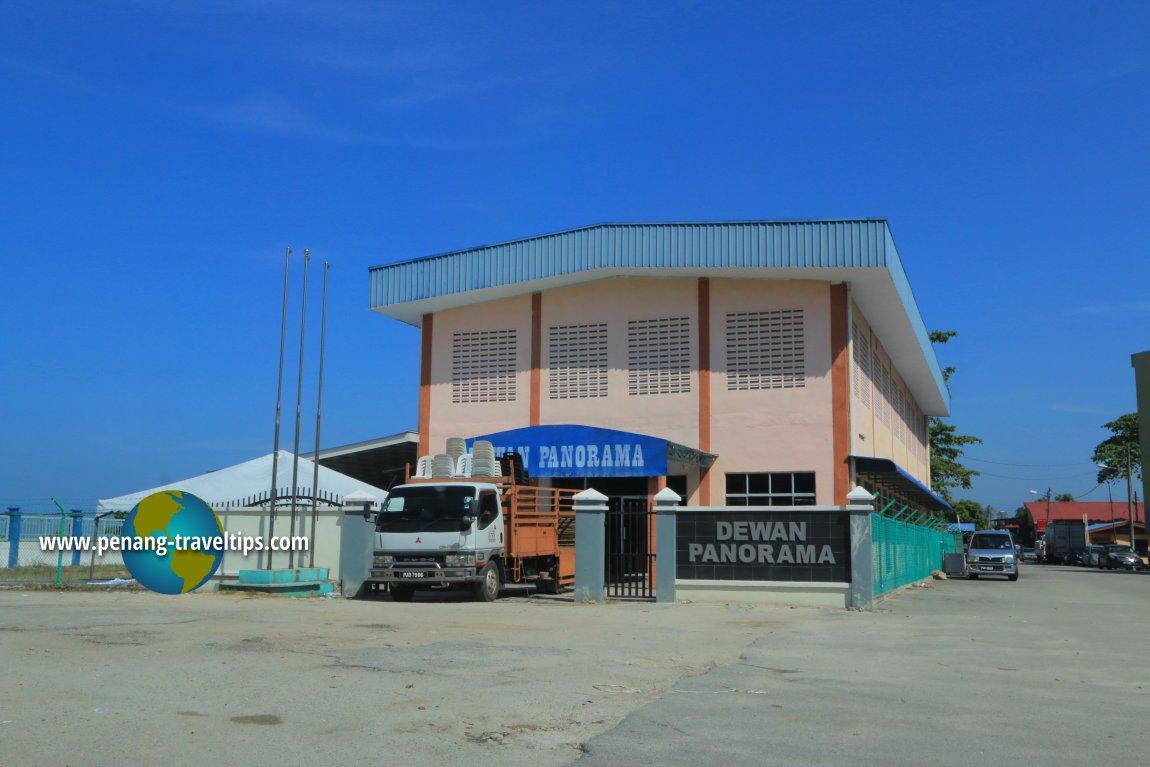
[
  {"x": 858, "y": 497},
  {"x": 668, "y": 496},
  {"x": 590, "y": 495}
]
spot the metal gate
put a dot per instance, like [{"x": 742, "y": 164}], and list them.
[{"x": 630, "y": 556}]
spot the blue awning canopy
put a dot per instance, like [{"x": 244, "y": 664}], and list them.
[
  {"x": 573, "y": 450},
  {"x": 884, "y": 474}
]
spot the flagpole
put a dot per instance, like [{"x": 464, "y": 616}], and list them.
[
  {"x": 298, "y": 407},
  {"x": 318, "y": 418},
  {"x": 279, "y": 400}
]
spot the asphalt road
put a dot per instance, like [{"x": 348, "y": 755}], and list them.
[{"x": 1048, "y": 670}]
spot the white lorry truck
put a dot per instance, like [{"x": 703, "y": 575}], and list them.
[{"x": 477, "y": 535}]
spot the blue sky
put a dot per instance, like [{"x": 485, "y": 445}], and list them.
[{"x": 158, "y": 156}]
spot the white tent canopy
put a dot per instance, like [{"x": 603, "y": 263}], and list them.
[{"x": 252, "y": 480}]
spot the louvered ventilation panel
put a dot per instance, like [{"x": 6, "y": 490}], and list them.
[
  {"x": 577, "y": 360},
  {"x": 878, "y": 370},
  {"x": 659, "y": 356},
  {"x": 862, "y": 367},
  {"x": 899, "y": 413},
  {"x": 483, "y": 364},
  {"x": 765, "y": 350}
]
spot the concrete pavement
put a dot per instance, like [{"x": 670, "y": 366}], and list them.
[
  {"x": 1051, "y": 670},
  {"x": 1048, "y": 670}
]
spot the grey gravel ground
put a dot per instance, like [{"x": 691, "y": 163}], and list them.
[{"x": 1048, "y": 670}]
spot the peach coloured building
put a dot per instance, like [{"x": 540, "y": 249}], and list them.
[{"x": 740, "y": 363}]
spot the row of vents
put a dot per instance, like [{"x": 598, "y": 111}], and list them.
[
  {"x": 878, "y": 388},
  {"x": 765, "y": 350}
]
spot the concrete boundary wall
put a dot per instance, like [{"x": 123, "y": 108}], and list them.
[
  {"x": 247, "y": 521},
  {"x": 704, "y": 553},
  {"x": 853, "y": 590}
]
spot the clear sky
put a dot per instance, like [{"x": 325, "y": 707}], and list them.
[{"x": 156, "y": 158}]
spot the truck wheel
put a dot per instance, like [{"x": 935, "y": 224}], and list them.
[
  {"x": 549, "y": 586},
  {"x": 487, "y": 589},
  {"x": 401, "y": 593},
  {"x": 973, "y": 576},
  {"x": 1013, "y": 577}
]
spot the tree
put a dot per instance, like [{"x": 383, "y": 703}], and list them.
[
  {"x": 946, "y": 444},
  {"x": 1112, "y": 450},
  {"x": 1064, "y": 498},
  {"x": 1026, "y": 531},
  {"x": 971, "y": 511}
]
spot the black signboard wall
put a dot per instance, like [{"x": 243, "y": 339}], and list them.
[{"x": 742, "y": 545}]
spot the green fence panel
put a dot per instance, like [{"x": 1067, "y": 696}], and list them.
[{"x": 905, "y": 553}]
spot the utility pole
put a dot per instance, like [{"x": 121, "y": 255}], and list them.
[
  {"x": 279, "y": 398},
  {"x": 1130, "y": 495}
]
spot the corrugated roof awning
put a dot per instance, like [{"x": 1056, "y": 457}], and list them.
[
  {"x": 574, "y": 450},
  {"x": 884, "y": 474}
]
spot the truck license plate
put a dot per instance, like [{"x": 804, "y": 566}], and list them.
[{"x": 412, "y": 574}]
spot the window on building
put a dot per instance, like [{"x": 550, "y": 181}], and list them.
[
  {"x": 659, "y": 356},
  {"x": 483, "y": 366},
  {"x": 765, "y": 350},
  {"x": 773, "y": 489},
  {"x": 577, "y": 361}
]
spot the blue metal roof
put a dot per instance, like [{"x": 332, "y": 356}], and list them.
[
  {"x": 746, "y": 244},
  {"x": 860, "y": 252}
]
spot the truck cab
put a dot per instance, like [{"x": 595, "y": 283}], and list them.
[{"x": 440, "y": 535}]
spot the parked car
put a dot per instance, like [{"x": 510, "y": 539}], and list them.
[
  {"x": 1028, "y": 555},
  {"x": 1092, "y": 553},
  {"x": 1076, "y": 557},
  {"x": 1117, "y": 555},
  {"x": 991, "y": 552}
]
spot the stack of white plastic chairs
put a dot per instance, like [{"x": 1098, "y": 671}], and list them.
[
  {"x": 483, "y": 463},
  {"x": 456, "y": 446},
  {"x": 463, "y": 465},
  {"x": 457, "y": 462},
  {"x": 442, "y": 466}
]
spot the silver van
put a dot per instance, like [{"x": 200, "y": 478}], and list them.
[{"x": 991, "y": 552}]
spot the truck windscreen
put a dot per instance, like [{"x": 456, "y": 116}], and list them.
[{"x": 430, "y": 509}]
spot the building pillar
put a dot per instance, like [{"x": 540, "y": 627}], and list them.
[
  {"x": 77, "y": 531},
  {"x": 14, "y": 527},
  {"x": 535, "y": 398},
  {"x": 1141, "y": 365},
  {"x": 860, "y": 509},
  {"x": 840, "y": 393},
  {"x": 666, "y": 544},
  {"x": 425, "y": 338},
  {"x": 590, "y": 545},
  {"x": 704, "y": 311},
  {"x": 356, "y": 547}
]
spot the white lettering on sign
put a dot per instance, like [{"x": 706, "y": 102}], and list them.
[
  {"x": 760, "y": 531},
  {"x": 789, "y": 534},
  {"x": 580, "y": 456},
  {"x": 760, "y": 554}
]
